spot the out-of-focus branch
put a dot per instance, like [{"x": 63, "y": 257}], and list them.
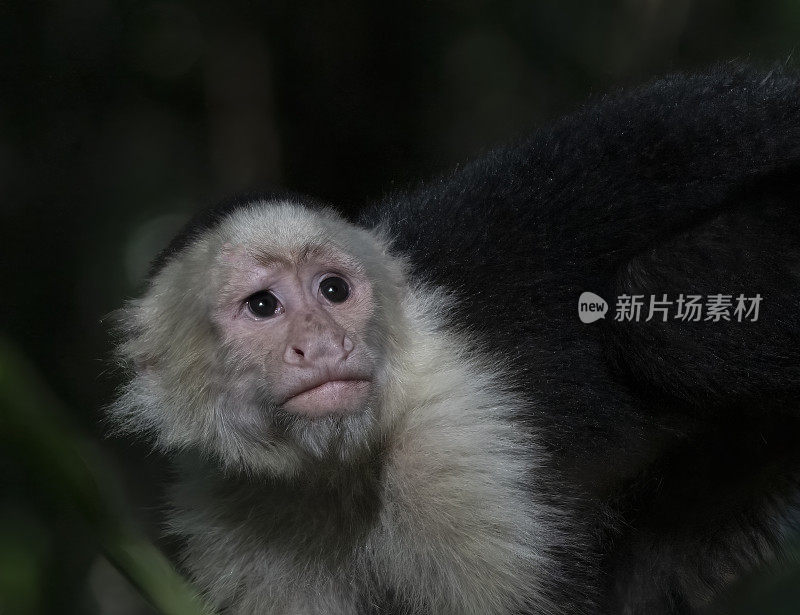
[{"x": 34, "y": 432}]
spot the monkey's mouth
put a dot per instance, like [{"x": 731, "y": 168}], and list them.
[{"x": 335, "y": 395}]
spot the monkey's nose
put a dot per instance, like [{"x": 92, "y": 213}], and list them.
[
  {"x": 317, "y": 348},
  {"x": 294, "y": 355}
]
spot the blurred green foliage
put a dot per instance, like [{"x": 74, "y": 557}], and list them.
[
  {"x": 118, "y": 119},
  {"x": 66, "y": 477}
]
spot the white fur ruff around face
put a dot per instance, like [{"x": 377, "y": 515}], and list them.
[{"x": 425, "y": 492}]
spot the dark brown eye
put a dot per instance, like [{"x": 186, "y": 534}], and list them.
[
  {"x": 263, "y": 304},
  {"x": 334, "y": 289}
]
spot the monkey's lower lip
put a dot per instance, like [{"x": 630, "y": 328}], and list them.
[{"x": 333, "y": 396}]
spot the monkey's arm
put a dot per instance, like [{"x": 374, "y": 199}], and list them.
[
  {"x": 727, "y": 383},
  {"x": 747, "y": 356}
]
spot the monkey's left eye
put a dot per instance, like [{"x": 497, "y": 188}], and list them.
[
  {"x": 334, "y": 289},
  {"x": 264, "y": 304}
]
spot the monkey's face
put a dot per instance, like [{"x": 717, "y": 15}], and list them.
[
  {"x": 300, "y": 321},
  {"x": 266, "y": 341}
]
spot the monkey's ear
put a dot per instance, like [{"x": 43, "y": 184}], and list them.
[{"x": 740, "y": 347}]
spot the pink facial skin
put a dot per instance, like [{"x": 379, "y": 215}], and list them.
[{"x": 311, "y": 350}]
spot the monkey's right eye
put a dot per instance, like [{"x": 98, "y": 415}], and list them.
[{"x": 264, "y": 304}]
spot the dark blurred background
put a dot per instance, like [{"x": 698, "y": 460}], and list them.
[{"x": 119, "y": 119}]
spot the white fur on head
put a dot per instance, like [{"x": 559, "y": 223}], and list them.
[{"x": 190, "y": 390}]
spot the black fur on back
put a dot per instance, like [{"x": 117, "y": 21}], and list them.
[{"x": 683, "y": 437}]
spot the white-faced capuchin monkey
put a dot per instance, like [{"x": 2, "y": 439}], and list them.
[{"x": 406, "y": 415}]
